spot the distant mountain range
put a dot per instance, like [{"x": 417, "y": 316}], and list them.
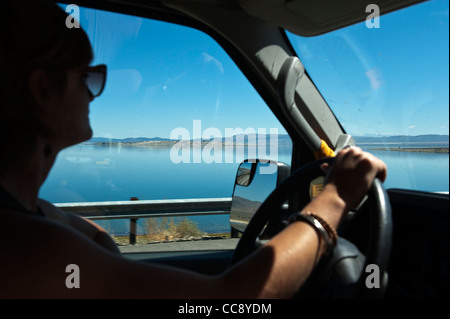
[
  {"x": 284, "y": 139},
  {"x": 125, "y": 140},
  {"x": 429, "y": 138}
]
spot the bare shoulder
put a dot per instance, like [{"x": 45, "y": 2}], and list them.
[
  {"x": 88, "y": 228},
  {"x": 53, "y": 212},
  {"x": 45, "y": 257},
  {"x": 36, "y": 259}
]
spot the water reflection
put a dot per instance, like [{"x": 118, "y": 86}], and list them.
[{"x": 109, "y": 173}]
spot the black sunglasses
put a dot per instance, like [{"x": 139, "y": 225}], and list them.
[{"x": 95, "y": 78}]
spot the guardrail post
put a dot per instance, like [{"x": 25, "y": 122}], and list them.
[{"x": 133, "y": 231}]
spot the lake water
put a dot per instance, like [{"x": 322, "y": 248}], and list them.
[{"x": 86, "y": 173}]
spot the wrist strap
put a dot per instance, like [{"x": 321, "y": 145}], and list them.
[{"x": 323, "y": 229}]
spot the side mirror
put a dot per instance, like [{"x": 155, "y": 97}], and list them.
[{"x": 255, "y": 180}]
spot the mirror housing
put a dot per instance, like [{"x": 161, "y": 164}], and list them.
[{"x": 255, "y": 180}]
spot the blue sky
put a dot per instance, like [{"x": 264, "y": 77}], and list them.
[
  {"x": 389, "y": 80},
  {"x": 162, "y": 76},
  {"x": 392, "y": 80}
]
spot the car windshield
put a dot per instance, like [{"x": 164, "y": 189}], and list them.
[
  {"x": 173, "y": 97},
  {"x": 387, "y": 79}
]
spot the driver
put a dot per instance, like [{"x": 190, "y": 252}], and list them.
[{"x": 44, "y": 107}]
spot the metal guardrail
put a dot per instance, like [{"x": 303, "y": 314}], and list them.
[{"x": 135, "y": 209}]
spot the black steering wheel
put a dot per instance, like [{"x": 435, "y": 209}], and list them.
[{"x": 345, "y": 261}]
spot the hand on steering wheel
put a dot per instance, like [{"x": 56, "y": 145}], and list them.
[{"x": 353, "y": 174}]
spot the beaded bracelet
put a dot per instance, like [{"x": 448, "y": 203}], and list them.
[
  {"x": 323, "y": 229},
  {"x": 330, "y": 230}
]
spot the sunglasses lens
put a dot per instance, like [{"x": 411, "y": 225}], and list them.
[{"x": 95, "y": 81}]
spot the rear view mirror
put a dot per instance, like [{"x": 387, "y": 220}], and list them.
[{"x": 255, "y": 180}]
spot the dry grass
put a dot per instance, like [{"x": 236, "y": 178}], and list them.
[{"x": 170, "y": 228}]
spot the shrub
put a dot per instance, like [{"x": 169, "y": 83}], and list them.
[{"x": 170, "y": 228}]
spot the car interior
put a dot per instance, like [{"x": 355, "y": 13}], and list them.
[{"x": 405, "y": 232}]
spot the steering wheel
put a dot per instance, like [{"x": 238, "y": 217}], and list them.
[{"x": 345, "y": 262}]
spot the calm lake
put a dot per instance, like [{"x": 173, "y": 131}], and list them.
[{"x": 86, "y": 173}]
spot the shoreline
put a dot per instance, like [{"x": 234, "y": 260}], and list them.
[
  {"x": 427, "y": 148},
  {"x": 414, "y": 149}
]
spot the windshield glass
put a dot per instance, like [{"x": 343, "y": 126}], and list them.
[{"x": 387, "y": 80}]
